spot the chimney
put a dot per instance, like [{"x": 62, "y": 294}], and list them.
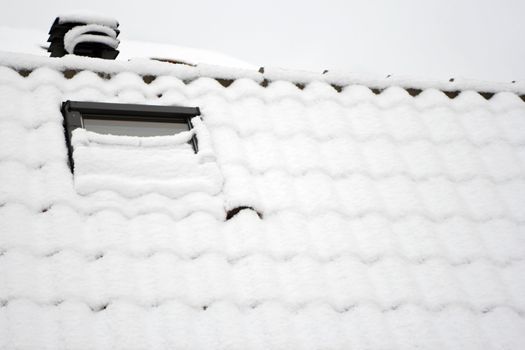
[{"x": 84, "y": 35}]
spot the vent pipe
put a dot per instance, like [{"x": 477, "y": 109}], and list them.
[{"x": 84, "y": 35}]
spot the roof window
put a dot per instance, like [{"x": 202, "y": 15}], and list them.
[{"x": 126, "y": 119}]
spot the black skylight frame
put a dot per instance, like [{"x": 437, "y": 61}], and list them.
[{"x": 75, "y": 111}]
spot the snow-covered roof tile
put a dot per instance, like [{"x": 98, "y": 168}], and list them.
[{"x": 321, "y": 211}]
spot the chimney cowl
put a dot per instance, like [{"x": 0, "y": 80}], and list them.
[{"x": 84, "y": 35}]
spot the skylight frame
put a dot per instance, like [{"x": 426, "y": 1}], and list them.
[{"x": 74, "y": 113}]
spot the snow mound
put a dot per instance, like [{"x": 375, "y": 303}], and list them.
[{"x": 88, "y": 18}]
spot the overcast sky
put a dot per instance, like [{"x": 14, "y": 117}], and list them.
[{"x": 478, "y": 39}]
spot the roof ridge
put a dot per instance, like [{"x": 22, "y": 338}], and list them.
[{"x": 147, "y": 67}]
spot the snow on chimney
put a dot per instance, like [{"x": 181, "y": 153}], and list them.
[{"x": 84, "y": 35}]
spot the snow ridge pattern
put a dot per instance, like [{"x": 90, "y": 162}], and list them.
[
  {"x": 79, "y": 34},
  {"x": 388, "y": 221}
]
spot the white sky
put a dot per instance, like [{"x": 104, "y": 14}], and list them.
[{"x": 477, "y": 39}]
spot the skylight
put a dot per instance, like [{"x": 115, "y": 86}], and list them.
[
  {"x": 133, "y": 127},
  {"x": 126, "y": 119}
]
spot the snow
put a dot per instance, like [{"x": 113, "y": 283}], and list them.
[
  {"x": 86, "y": 17},
  {"x": 278, "y": 77},
  {"x": 77, "y": 35},
  {"x": 135, "y": 166},
  {"x": 387, "y": 220},
  {"x": 18, "y": 41},
  {"x": 134, "y": 48}
]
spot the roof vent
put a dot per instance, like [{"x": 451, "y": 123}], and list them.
[{"x": 84, "y": 35}]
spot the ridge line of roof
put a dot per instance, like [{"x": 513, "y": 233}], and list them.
[{"x": 21, "y": 61}]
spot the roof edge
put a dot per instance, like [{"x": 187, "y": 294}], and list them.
[
  {"x": 21, "y": 61},
  {"x": 141, "y": 66}
]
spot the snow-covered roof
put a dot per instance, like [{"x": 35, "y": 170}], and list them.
[
  {"x": 30, "y": 41},
  {"x": 390, "y": 214}
]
